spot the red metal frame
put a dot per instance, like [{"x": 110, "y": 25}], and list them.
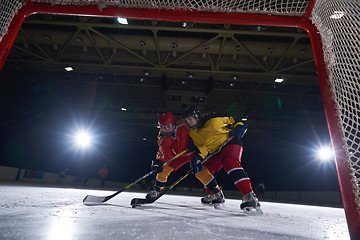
[
  {"x": 352, "y": 215},
  {"x": 343, "y": 171}
]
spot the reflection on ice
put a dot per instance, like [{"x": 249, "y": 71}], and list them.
[
  {"x": 61, "y": 227},
  {"x": 29, "y": 212}
]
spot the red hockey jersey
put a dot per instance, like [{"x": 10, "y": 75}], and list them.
[{"x": 170, "y": 146}]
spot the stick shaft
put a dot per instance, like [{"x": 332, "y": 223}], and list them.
[
  {"x": 106, "y": 198},
  {"x": 152, "y": 172}
]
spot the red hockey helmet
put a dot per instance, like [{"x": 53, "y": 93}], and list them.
[{"x": 166, "y": 118}]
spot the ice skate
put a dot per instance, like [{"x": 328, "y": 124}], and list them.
[
  {"x": 216, "y": 199},
  {"x": 152, "y": 194},
  {"x": 250, "y": 204}
]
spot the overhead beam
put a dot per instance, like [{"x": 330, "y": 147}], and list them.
[
  {"x": 157, "y": 71},
  {"x": 174, "y": 29}
]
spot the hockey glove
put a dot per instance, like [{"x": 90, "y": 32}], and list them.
[
  {"x": 157, "y": 166},
  {"x": 239, "y": 131},
  {"x": 196, "y": 165}
]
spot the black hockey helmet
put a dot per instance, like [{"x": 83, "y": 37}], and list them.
[{"x": 195, "y": 112}]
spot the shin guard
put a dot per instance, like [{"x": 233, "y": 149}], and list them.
[{"x": 237, "y": 174}]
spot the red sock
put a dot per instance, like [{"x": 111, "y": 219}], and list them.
[{"x": 244, "y": 186}]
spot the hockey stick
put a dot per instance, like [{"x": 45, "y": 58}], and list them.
[
  {"x": 139, "y": 201},
  {"x": 90, "y": 199}
]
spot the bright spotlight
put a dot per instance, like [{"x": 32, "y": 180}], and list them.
[
  {"x": 122, "y": 20},
  {"x": 83, "y": 139},
  {"x": 325, "y": 153},
  {"x": 69, "y": 69}
]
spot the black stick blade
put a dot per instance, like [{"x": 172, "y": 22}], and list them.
[{"x": 141, "y": 201}]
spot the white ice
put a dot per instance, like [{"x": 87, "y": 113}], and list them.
[{"x": 36, "y": 212}]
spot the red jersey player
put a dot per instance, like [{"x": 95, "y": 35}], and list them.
[{"x": 172, "y": 140}]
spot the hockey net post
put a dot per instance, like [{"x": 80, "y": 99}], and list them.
[{"x": 332, "y": 28}]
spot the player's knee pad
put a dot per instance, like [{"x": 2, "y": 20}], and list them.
[
  {"x": 234, "y": 169},
  {"x": 204, "y": 176},
  {"x": 230, "y": 163},
  {"x": 162, "y": 177}
]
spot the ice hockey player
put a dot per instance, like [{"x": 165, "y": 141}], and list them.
[
  {"x": 207, "y": 133},
  {"x": 172, "y": 139}
]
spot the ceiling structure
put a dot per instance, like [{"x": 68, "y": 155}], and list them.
[{"x": 149, "y": 67}]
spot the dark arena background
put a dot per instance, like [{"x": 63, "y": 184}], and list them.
[{"x": 288, "y": 70}]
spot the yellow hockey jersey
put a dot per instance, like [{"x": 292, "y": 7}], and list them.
[{"x": 212, "y": 134}]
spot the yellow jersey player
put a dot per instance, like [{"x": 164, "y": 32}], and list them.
[{"x": 207, "y": 133}]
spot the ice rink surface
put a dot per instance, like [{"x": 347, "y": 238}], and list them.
[{"x": 37, "y": 212}]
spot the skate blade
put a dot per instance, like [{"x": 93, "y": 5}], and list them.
[
  {"x": 219, "y": 206},
  {"x": 206, "y": 204},
  {"x": 251, "y": 210}
]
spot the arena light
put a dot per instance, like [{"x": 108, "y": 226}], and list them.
[
  {"x": 325, "y": 153},
  {"x": 69, "y": 69},
  {"x": 122, "y": 20},
  {"x": 83, "y": 139}
]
